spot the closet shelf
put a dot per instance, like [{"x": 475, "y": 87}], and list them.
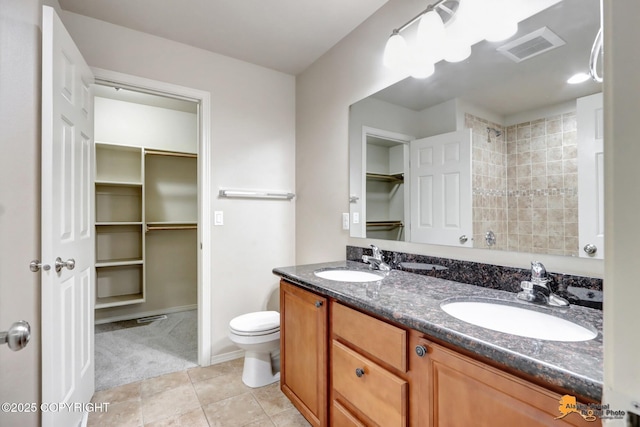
[
  {"x": 119, "y": 183},
  {"x": 107, "y": 223},
  {"x": 388, "y": 225},
  {"x": 118, "y": 262},
  {"x": 170, "y": 153},
  {"x": 157, "y": 226},
  {"x": 399, "y": 177},
  {"x": 115, "y": 301}
]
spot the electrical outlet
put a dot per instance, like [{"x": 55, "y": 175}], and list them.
[{"x": 356, "y": 217}]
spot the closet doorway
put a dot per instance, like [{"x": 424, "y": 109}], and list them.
[{"x": 151, "y": 311}]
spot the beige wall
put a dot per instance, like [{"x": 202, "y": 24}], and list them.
[
  {"x": 252, "y": 147},
  {"x": 622, "y": 202},
  {"x": 20, "y": 200}
]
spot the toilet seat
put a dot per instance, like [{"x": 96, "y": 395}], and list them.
[{"x": 256, "y": 324}]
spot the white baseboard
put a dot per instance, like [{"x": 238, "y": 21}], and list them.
[
  {"x": 147, "y": 314},
  {"x": 225, "y": 357}
]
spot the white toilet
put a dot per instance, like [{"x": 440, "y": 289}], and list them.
[{"x": 258, "y": 334}]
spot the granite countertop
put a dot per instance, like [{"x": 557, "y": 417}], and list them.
[{"x": 414, "y": 301}]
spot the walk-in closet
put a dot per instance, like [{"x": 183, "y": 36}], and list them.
[{"x": 146, "y": 225}]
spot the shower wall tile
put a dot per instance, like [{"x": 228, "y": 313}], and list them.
[
  {"x": 552, "y": 189},
  {"x": 525, "y": 184}
]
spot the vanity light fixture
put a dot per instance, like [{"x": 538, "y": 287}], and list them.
[
  {"x": 578, "y": 78},
  {"x": 447, "y": 29}
]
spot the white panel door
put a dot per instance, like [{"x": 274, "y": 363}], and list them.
[
  {"x": 441, "y": 189},
  {"x": 590, "y": 122},
  {"x": 67, "y": 213}
]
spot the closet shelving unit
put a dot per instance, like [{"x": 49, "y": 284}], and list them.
[
  {"x": 139, "y": 192},
  {"x": 119, "y": 225}
]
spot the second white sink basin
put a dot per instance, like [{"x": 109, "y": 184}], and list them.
[
  {"x": 517, "y": 320},
  {"x": 345, "y": 275}
]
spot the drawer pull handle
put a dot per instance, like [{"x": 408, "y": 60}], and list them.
[
  {"x": 318, "y": 304},
  {"x": 421, "y": 350},
  {"x": 359, "y": 372}
]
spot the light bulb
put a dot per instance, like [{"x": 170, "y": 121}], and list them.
[
  {"x": 431, "y": 36},
  {"x": 501, "y": 31},
  {"x": 578, "y": 78},
  {"x": 503, "y": 24},
  {"x": 457, "y": 43},
  {"x": 420, "y": 67},
  {"x": 396, "y": 52},
  {"x": 457, "y": 51}
]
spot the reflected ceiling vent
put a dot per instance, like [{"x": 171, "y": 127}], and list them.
[{"x": 530, "y": 45}]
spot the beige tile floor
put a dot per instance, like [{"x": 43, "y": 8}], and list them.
[{"x": 210, "y": 396}]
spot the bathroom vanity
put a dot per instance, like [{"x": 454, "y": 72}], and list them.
[{"x": 384, "y": 353}]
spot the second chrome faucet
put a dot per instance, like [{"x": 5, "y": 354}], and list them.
[
  {"x": 537, "y": 290},
  {"x": 375, "y": 261}
]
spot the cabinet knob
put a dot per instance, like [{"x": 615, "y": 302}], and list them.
[
  {"x": 318, "y": 304},
  {"x": 359, "y": 372},
  {"x": 421, "y": 350}
]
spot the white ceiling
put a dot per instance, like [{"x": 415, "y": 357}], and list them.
[{"x": 284, "y": 35}]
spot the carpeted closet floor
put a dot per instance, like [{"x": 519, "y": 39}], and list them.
[{"x": 129, "y": 351}]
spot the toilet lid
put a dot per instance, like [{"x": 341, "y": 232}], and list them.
[{"x": 260, "y": 321}]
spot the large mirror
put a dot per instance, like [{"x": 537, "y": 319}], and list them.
[{"x": 498, "y": 151}]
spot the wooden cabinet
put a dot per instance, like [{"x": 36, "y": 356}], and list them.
[
  {"x": 382, "y": 374},
  {"x": 463, "y": 391},
  {"x": 303, "y": 355}
]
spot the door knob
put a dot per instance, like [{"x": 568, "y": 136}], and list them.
[
  {"x": 590, "y": 249},
  {"x": 359, "y": 372},
  {"x": 70, "y": 264},
  {"x": 318, "y": 304},
  {"x": 18, "y": 335},
  {"x": 36, "y": 265}
]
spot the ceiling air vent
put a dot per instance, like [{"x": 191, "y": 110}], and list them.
[{"x": 530, "y": 45}]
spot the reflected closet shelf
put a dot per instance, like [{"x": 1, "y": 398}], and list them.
[
  {"x": 118, "y": 262},
  {"x": 119, "y": 183},
  {"x": 399, "y": 177}
]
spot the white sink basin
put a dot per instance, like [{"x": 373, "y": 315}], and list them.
[
  {"x": 344, "y": 275},
  {"x": 517, "y": 320}
]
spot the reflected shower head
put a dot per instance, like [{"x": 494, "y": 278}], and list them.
[{"x": 495, "y": 131}]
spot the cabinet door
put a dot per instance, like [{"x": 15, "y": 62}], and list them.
[
  {"x": 303, "y": 342},
  {"x": 469, "y": 393}
]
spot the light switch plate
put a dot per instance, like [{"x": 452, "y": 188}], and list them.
[
  {"x": 345, "y": 221},
  {"x": 218, "y": 218}
]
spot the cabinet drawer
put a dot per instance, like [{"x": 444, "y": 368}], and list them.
[
  {"x": 380, "y": 339},
  {"x": 343, "y": 418},
  {"x": 377, "y": 393}
]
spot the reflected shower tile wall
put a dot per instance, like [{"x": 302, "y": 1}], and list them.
[
  {"x": 488, "y": 182},
  {"x": 542, "y": 186},
  {"x": 525, "y": 184}
]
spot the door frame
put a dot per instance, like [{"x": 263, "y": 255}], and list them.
[
  {"x": 203, "y": 98},
  {"x": 400, "y": 138}
]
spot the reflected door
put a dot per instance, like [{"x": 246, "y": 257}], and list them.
[{"x": 441, "y": 189}]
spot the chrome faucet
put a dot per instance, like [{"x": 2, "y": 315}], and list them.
[
  {"x": 375, "y": 260},
  {"x": 537, "y": 290}
]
